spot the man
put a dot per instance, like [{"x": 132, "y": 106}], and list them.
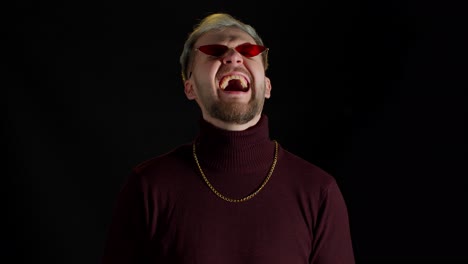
[{"x": 232, "y": 195}]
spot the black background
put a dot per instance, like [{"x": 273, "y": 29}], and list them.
[{"x": 371, "y": 91}]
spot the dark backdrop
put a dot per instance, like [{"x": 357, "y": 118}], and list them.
[{"x": 371, "y": 91}]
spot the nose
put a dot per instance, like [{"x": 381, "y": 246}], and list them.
[{"x": 232, "y": 57}]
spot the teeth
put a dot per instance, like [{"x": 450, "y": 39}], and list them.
[{"x": 226, "y": 80}]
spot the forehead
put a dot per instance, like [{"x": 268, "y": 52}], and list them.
[{"x": 224, "y": 36}]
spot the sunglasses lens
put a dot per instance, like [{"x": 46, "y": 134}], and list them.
[
  {"x": 247, "y": 50},
  {"x": 250, "y": 50},
  {"x": 213, "y": 50}
]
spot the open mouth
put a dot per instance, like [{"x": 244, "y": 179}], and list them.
[{"x": 234, "y": 83}]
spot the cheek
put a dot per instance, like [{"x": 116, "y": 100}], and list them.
[
  {"x": 256, "y": 69},
  {"x": 207, "y": 68}
]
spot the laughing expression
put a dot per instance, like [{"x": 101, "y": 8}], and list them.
[{"x": 230, "y": 88}]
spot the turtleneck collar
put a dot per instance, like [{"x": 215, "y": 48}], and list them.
[{"x": 235, "y": 150}]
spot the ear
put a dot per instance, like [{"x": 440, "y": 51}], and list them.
[
  {"x": 189, "y": 90},
  {"x": 267, "y": 87}
]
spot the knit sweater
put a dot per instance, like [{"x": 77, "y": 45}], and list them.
[{"x": 166, "y": 213}]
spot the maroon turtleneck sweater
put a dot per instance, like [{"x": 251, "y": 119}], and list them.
[{"x": 166, "y": 213}]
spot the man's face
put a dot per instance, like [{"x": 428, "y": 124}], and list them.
[{"x": 230, "y": 88}]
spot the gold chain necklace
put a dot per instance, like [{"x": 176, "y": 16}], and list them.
[{"x": 250, "y": 196}]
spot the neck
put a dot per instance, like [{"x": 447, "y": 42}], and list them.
[
  {"x": 235, "y": 150},
  {"x": 231, "y": 126}
]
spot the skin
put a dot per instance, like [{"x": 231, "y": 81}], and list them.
[{"x": 233, "y": 110}]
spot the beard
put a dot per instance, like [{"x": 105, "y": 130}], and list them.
[
  {"x": 238, "y": 113},
  {"x": 233, "y": 112}
]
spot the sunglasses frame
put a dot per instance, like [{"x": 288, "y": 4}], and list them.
[
  {"x": 236, "y": 48},
  {"x": 264, "y": 49}
]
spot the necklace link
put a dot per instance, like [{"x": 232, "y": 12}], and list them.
[{"x": 250, "y": 196}]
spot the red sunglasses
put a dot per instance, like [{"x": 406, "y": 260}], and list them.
[{"x": 247, "y": 50}]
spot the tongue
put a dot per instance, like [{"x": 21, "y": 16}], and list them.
[{"x": 235, "y": 85}]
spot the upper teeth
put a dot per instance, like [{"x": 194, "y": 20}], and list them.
[{"x": 226, "y": 80}]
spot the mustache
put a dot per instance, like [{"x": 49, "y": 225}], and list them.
[{"x": 224, "y": 71}]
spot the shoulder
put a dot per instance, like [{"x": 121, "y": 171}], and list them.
[
  {"x": 303, "y": 171},
  {"x": 171, "y": 161},
  {"x": 161, "y": 175}
]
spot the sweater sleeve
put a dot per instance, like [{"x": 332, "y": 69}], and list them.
[
  {"x": 126, "y": 238},
  {"x": 332, "y": 239}
]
